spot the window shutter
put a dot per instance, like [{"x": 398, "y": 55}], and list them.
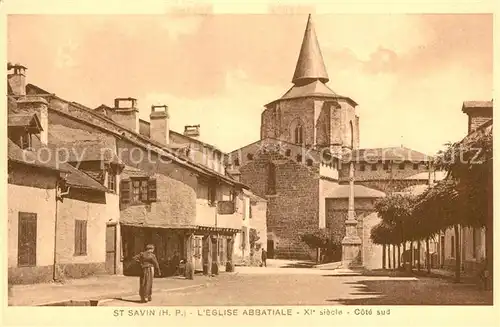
[
  {"x": 152, "y": 196},
  {"x": 125, "y": 191},
  {"x": 84, "y": 237},
  {"x": 27, "y": 239},
  {"x": 78, "y": 233}
]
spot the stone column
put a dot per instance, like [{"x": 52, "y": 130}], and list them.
[
  {"x": 351, "y": 244},
  {"x": 208, "y": 244},
  {"x": 230, "y": 255},
  {"x": 215, "y": 263},
  {"x": 189, "y": 273}
]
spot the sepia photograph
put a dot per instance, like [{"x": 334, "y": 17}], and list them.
[{"x": 249, "y": 161}]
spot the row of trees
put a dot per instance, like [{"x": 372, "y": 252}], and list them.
[{"x": 463, "y": 199}]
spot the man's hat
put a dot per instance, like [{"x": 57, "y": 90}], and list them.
[{"x": 150, "y": 247}]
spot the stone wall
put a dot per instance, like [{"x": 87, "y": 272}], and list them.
[
  {"x": 294, "y": 208},
  {"x": 85, "y": 205},
  {"x": 336, "y": 214},
  {"x": 31, "y": 190}
]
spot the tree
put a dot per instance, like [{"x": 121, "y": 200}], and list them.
[
  {"x": 465, "y": 197},
  {"x": 324, "y": 239}
]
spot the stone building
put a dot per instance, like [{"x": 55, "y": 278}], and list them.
[
  {"x": 130, "y": 183},
  {"x": 309, "y": 137}
]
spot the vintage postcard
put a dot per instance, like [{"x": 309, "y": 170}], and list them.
[{"x": 279, "y": 164}]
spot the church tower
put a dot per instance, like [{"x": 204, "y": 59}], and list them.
[{"x": 310, "y": 113}]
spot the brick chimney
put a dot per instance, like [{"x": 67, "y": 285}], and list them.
[
  {"x": 479, "y": 112},
  {"x": 40, "y": 107},
  {"x": 17, "y": 79},
  {"x": 192, "y": 131},
  {"x": 159, "y": 126},
  {"x": 125, "y": 113}
]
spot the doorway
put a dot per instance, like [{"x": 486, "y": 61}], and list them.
[
  {"x": 111, "y": 249},
  {"x": 270, "y": 249}
]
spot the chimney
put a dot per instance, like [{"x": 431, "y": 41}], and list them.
[
  {"x": 40, "y": 107},
  {"x": 159, "y": 126},
  {"x": 125, "y": 113},
  {"x": 17, "y": 79},
  {"x": 479, "y": 112},
  {"x": 192, "y": 131}
]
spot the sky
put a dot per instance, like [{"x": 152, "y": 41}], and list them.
[{"x": 408, "y": 73}]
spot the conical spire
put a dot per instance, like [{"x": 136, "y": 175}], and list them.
[{"x": 310, "y": 65}]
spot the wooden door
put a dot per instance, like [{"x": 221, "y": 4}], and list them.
[
  {"x": 111, "y": 249},
  {"x": 27, "y": 232}
]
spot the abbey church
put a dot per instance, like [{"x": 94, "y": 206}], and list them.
[{"x": 308, "y": 139}]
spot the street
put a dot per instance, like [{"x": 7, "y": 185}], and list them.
[{"x": 308, "y": 286}]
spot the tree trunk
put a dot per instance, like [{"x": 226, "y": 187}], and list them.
[
  {"x": 383, "y": 256},
  {"x": 458, "y": 263},
  {"x": 411, "y": 257},
  {"x": 394, "y": 256},
  {"x": 418, "y": 257},
  {"x": 399, "y": 255},
  {"x": 389, "y": 256},
  {"x": 404, "y": 258},
  {"x": 428, "y": 255}
]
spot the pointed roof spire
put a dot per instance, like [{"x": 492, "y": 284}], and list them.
[{"x": 310, "y": 65}]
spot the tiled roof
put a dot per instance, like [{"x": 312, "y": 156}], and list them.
[
  {"x": 478, "y": 104},
  {"x": 387, "y": 154},
  {"x": 315, "y": 88},
  {"x": 23, "y": 120},
  {"x": 41, "y": 159},
  {"x": 360, "y": 191},
  {"x": 79, "y": 179}
]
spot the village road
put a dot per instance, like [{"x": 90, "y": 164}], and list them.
[{"x": 307, "y": 286}]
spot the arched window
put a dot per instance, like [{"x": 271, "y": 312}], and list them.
[{"x": 297, "y": 131}]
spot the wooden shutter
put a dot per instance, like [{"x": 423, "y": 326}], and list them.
[
  {"x": 80, "y": 237},
  {"x": 27, "y": 234},
  {"x": 125, "y": 191},
  {"x": 152, "y": 190}
]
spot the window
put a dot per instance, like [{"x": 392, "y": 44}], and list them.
[
  {"x": 401, "y": 166},
  {"x": 271, "y": 179},
  {"x": 138, "y": 190},
  {"x": 296, "y": 132},
  {"x": 452, "y": 246},
  {"x": 387, "y": 166},
  {"x": 288, "y": 152},
  {"x": 27, "y": 233},
  {"x": 112, "y": 180},
  {"x": 250, "y": 156},
  {"x": 374, "y": 167},
  {"x": 80, "y": 237},
  {"x": 25, "y": 141},
  {"x": 236, "y": 162},
  {"x": 362, "y": 167},
  {"x": 212, "y": 194},
  {"x": 299, "y": 158},
  {"x": 309, "y": 162},
  {"x": 415, "y": 166},
  {"x": 298, "y": 135},
  {"x": 250, "y": 210}
]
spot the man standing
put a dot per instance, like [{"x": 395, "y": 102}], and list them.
[
  {"x": 264, "y": 257},
  {"x": 148, "y": 263}
]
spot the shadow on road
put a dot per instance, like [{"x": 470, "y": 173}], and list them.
[
  {"x": 299, "y": 264},
  {"x": 413, "y": 292},
  {"x": 126, "y": 300}
]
